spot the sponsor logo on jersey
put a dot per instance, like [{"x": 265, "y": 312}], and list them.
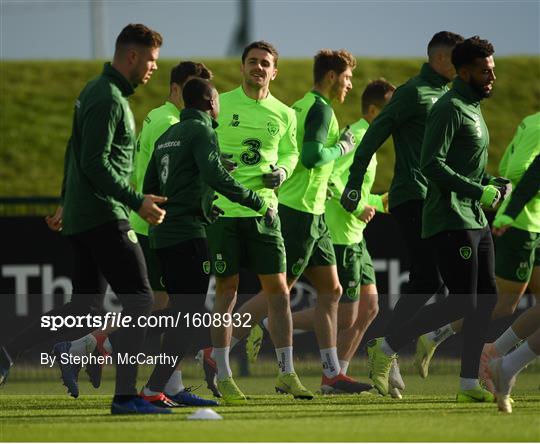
[{"x": 235, "y": 120}]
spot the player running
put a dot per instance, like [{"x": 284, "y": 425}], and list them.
[
  {"x": 358, "y": 305},
  {"x": 404, "y": 118},
  {"x": 260, "y": 133},
  {"x": 186, "y": 167},
  {"x": 454, "y": 156},
  {"x": 517, "y": 258},
  {"x": 502, "y": 372},
  {"x": 155, "y": 124}
]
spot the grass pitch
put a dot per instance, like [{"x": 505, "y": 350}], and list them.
[{"x": 41, "y": 411}]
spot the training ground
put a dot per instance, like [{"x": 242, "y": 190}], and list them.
[{"x": 35, "y": 407}]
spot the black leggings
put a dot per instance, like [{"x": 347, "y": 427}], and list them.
[
  {"x": 424, "y": 277},
  {"x": 185, "y": 268},
  {"x": 102, "y": 254},
  {"x": 466, "y": 261}
]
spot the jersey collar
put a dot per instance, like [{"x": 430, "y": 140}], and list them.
[
  {"x": 465, "y": 90},
  {"x": 248, "y": 99},
  {"x": 318, "y": 94},
  {"x": 118, "y": 79},
  {"x": 195, "y": 114},
  {"x": 432, "y": 76}
]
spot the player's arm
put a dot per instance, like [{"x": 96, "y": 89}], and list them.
[
  {"x": 527, "y": 188},
  {"x": 316, "y": 127},
  {"x": 97, "y": 135},
  {"x": 288, "y": 148},
  {"x": 400, "y": 108},
  {"x": 207, "y": 157}
]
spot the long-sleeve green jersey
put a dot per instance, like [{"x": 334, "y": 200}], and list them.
[
  {"x": 454, "y": 157},
  {"x": 99, "y": 155},
  {"x": 404, "y": 118},
  {"x": 258, "y": 134},
  {"x": 317, "y": 135},
  {"x": 185, "y": 167},
  {"x": 155, "y": 124},
  {"x": 345, "y": 228},
  {"x": 520, "y": 163}
]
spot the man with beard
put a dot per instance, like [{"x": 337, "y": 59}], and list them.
[
  {"x": 454, "y": 157},
  {"x": 404, "y": 118}
]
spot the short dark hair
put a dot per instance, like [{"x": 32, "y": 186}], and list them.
[
  {"x": 197, "y": 91},
  {"x": 184, "y": 70},
  {"x": 261, "y": 44},
  {"x": 469, "y": 50},
  {"x": 331, "y": 60},
  {"x": 375, "y": 92},
  {"x": 443, "y": 39},
  {"x": 140, "y": 35}
]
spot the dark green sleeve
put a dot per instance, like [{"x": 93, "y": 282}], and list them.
[
  {"x": 206, "y": 154},
  {"x": 526, "y": 189},
  {"x": 400, "y": 108},
  {"x": 67, "y": 156},
  {"x": 316, "y": 127},
  {"x": 98, "y": 129},
  {"x": 441, "y": 125},
  {"x": 151, "y": 177}
]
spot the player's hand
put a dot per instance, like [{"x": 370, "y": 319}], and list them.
[
  {"x": 503, "y": 184},
  {"x": 491, "y": 196},
  {"x": 384, "y": 199},
  {"x": 215, "y": 212},
  {"x": 501, "y": 224},
  {"x": 367, "y": 214},
  {"x": 150, "y": 212},
  {"x": 269, "y": 216},
  {"x": 346, "y": 141},
  {"x": 275, "y": 178},
  {"x": 349, "y": 199},
  {"x": 227, "y": 163},
  {"x": 54, "y": 222}
]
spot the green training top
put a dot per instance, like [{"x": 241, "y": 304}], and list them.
[
  {"x": 404, "y": 117},
  {"x": 258, "y": 133},
  {"x": 346, "y": 228},
  {"x": 519, "y": 155},
  {"x": 155, "y": 124},
  {"x": 454, "y": 157},
  {"x": 99, "y": 155},
  {"x": 186, "y": 168},
  {"x": 306, "y": 189}
]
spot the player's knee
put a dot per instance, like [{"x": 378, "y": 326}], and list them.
[{"x": 372, "y": 309}]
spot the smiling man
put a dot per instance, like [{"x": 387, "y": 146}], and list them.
[
  {"x": 260, "y": 133},
  {"x": 454, "y": 157}
]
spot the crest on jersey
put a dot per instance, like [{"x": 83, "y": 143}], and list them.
[{"x": 273, "y": 128}]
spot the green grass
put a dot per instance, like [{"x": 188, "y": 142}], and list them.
[
  {"x": 40, "y": 411},
  {"x": 36, "y": 99}
]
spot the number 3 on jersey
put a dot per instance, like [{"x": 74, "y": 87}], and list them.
[{"x": 251, "y": 156}]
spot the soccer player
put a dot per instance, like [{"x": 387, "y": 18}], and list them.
[
  {"x": 260, "y": 133},
  {"x": 96, "y": 197},
  {"x": 155, "y": 124},
  {"x": 517, "y": 258},
  {"x": 358, "y": 305},
  {"x": 186, "y": 168},
  {"x": 404, "y": 119},
  {"x": 453, "y": 159},
  {"x": 502, "y": 372}
]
